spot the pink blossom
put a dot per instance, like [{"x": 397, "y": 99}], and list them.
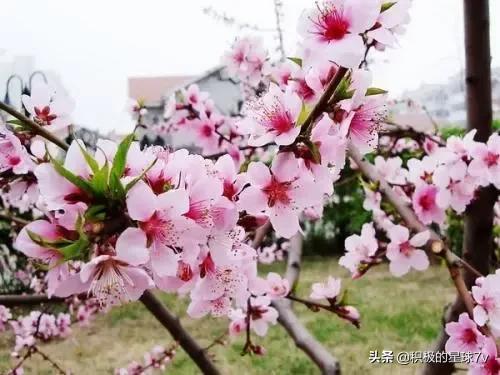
[
  {"x": 360, "y": 249},
  {"x": 278, "y": 286},
  {"x": 205, "y": 133},
  {"x": 161, "y": 218},
  {"x": 48, "y": 108},
  {"x": 487, "y": 296},
  {"x": 426, "y": 206},
  {"x": 456, "y": 188},
  {"x": 360, "y": 115},
  {"x": 262, "y": 315},
  {"x": 485, "y": 162},
  {"x": 329, "y": 290},
  {"x": 58, "y": 271},
  {"x": 114, "y": 278},
  {"x": 464, "y": 336},
  {"x": 238, "y": 322},
  {"x": 226, "y": 171},
  {"x": 404, "y": 252},
  {"x": 246, "y": 60},
  {"x": 194, "y": 97},
  {"x": 13, "y": 155},
  {"x": 310, "y": 83},
  {"x": 391, "y": 169},
  {"x": 390, "y": 22},
  {"x": 489, "y": 362},
  {"x": 421, "y": 171},
  {"x": 5, "y": 316},
  {"x": 273, "y": 118},
  {"x": 332, "y": 30},
  {"x": 56, "y": 190},
  {"x": 281, "y": 193},
  {"x": 216, "y": 288}
]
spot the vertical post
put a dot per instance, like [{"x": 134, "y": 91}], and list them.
[{"x": 478, "y": 219}]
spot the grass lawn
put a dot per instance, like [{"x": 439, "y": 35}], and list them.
[{"x": 397, "y": 314}]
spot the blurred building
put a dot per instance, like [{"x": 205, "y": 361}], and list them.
[
  {"x": 155, "y": 91},
  {"x": 443, "y": 104}
]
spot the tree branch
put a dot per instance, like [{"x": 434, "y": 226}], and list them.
[
  {"x": 287, "y": 318},
  {"x": 178, "y": 332}
]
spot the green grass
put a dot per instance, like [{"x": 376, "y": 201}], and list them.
[{"x": 397, "y": 314}]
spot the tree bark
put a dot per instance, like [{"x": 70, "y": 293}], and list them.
[
  {"x": 173, "y": 325},
  {"x": 478, "y": 218}
]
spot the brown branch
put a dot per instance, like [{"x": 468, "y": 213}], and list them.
[
  {"x": 34, "y": 127},
  {"x": 260, "y": 235},
  {"x": 33, "y": 299},
  {"x": 18, "y": 220},
  {"x": 48, "y": 359},
  {"x": 287, "y": 318},
  {"x": 179, "y": 333},
  {"x": 323, "y": 100}
]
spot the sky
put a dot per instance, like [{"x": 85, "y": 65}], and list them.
[{"x": 95, "y": 45}]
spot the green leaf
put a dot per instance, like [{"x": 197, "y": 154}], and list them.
[
  {"x": 16, "y": 122},
  {"x": 75, "y": 250},
  {"x": 116, "y": 187},
  {"x": 132, "y": 183},
  {"x": 296, "y": 60},
  {"x": 120, "y": 159},
  {"x": 89, "y": 158},
  {"x": 344, "y": 298},
  {"x": 99, "y": 181},
  {"x": 45, "y": 242},
  {"x": 96, "y": 212},
  {"x": 68, "y": 175},
  {"x": 314, "y": 151},
  {"x": 304, "y": 113},
  {"x": 375, "y": 91},
  {"x": 386, "y": 6}
]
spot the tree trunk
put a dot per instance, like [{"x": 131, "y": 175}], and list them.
[{"x": 478, "y": 219}]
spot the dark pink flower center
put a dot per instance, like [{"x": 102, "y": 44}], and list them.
[
  {"x": 303, "y": 90},
  {"x": 44, "y": 115},
  {"x": 14, "y": 160},
  {"x": 277, "y": 192},
  {"x": 229, "y": 190},
  {"x": 184, "y": 271},
  {"x": 426, "y": 201},
  {"x": 207, "y": 131},
  {"x": 207, "y": 266},
  {"x": 159, "y": 228},
  {"x": 331, "y": 23},
  {"x": 491, "y": 159},
  {"x": 280, "y": 121},
  {"x": 492, "y": 366},
  {"x": 405, "y": 248},
  {"x": 469, "y": 336}
]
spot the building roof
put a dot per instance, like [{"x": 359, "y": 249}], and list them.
[{"x": 153, "y": 89}]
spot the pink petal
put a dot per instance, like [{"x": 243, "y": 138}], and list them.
[
  {"x": 252, "y": 200},
  {"x": 285, "y": 167},
  {"x": 420, "y": 239},
  {"x": 131, "y": 247},
  {"x": 258, "y": 174},
  {"x": 141, "y": 202},
  {"x": 419, "y": 260},
  {"x": 285, "y": 221},
  {"x": 176, "y": 202}
]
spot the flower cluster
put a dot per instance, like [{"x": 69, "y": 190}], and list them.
[{"x": 156, "y": 359}]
